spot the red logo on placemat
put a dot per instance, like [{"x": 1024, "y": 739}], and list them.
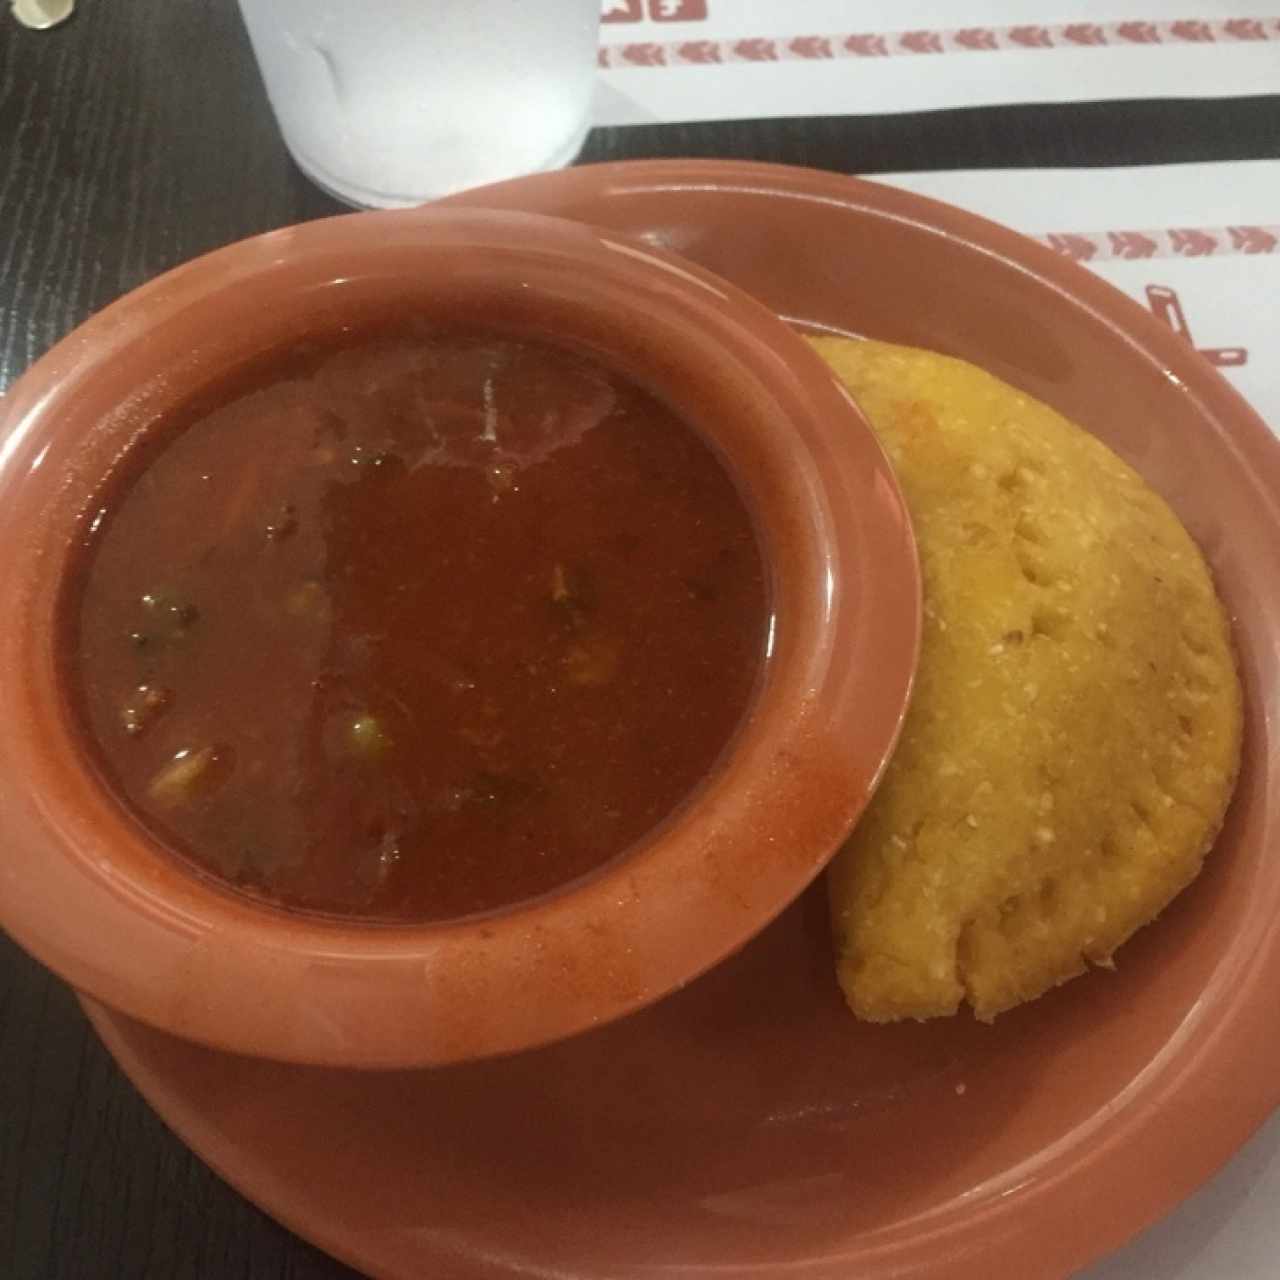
[
  {"x": 645, "y": 55},
  {"x": 1245, "y": 29},
  {"x": 756, "y": 50},
  {"x": 1191, "y": 242},
  {"x": 1081, "y": 248},
  {"x": 811, "y": 47},
  {"x": 1166, "y": 304},
  {"x": 1252, "y": 239},
  {"x": 889, "y": 44},
  {"x": 1084, "y": 33},
  {"x": 1031, "y": 37},
  {"x": 700, "y": 51},
  {"x": 1138, "y": 32},
  {"x": 921, "y": 41},
  {"x": 659, "y": 10},
  {"x": 678, "y": 10},
  {"x": 975, "y": 38},
  {"x": 622, "y": 11},
  {"x": 1132, "y": 244},
  {"x": 867, "y": 45}
]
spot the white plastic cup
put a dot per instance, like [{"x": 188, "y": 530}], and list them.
[{"x": 388, "y": 103}]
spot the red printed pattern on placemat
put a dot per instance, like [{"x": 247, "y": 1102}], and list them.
[
  {"x": 1074, "y": 35},
  {"x": 1167, "y": 306},
  {"x": 659, "y": 11},
  {"x": 1171, "y": 242}
]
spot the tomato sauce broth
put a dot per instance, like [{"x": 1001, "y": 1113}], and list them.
[{"x": 416, "y": 627}]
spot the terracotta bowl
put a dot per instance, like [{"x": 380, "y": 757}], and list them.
[{"x": 89, "y": 892}]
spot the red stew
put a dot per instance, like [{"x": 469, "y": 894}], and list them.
[{"x": 416, "y": 628}]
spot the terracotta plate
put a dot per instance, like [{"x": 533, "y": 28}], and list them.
[{"x": 748, "y": 1123}]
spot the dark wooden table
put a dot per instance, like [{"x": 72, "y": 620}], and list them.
[{"x": 131, "y": 139}]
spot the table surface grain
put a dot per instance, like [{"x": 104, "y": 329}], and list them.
[{"x": 135, "y": 137}]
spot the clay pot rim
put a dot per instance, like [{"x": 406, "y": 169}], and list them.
[{"x": 98, "y": 901}]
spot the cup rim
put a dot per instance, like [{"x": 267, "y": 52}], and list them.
[{"x": 100, "y": 901}]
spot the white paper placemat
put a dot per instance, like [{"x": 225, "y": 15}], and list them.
[
  {"x": 1199, "y": 244},
  {"x": 672, "y": 60}
]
